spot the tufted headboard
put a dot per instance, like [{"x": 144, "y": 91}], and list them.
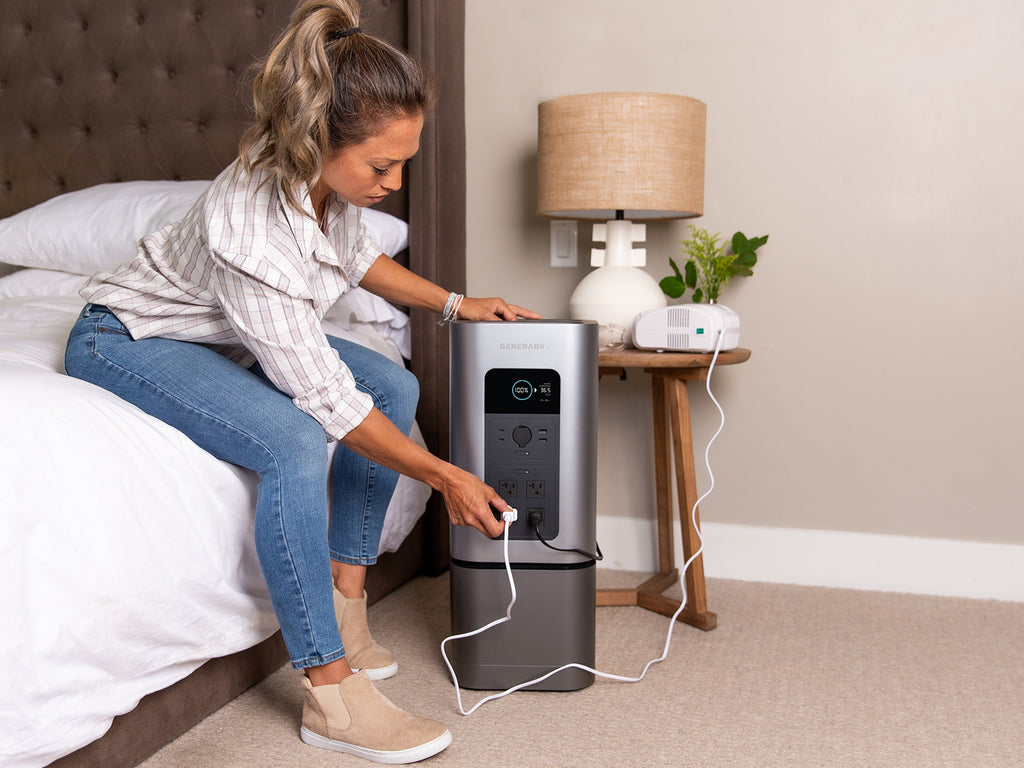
[
  {"x": 115, "y": 90},
  {"x": 96, "y": 91}
]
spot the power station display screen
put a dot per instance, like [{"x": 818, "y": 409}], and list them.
[{"x": 521, "y": 390}]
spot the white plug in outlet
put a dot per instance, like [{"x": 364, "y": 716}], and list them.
[{"x": 563, "y": 243}]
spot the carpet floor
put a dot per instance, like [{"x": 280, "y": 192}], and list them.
[{"x": 793, "y": 677}]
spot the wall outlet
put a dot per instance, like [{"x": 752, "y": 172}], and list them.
[{"x": 535, "y": 489}]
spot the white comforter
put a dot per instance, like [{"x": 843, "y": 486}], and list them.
[{"x": 126, "y": 552}]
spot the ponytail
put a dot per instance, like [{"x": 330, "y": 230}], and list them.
[{"x": 324, "y": 86}]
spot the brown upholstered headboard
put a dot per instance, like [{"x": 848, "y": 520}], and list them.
[
  {"x": 96, "y": 91},
  {"x": 115, "y": 90}
]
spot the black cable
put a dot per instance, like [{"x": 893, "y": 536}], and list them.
[{"x": 535, "y": 519}]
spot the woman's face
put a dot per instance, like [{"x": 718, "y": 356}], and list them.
[{"x": 364, "y": 174}]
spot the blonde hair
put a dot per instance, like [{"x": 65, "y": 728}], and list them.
[{"x": 324, "y": 86}]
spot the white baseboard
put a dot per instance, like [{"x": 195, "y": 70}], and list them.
[{"x": 830, "y": 559}]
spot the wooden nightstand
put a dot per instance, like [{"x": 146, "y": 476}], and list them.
[{"x": 669, "y": 373}]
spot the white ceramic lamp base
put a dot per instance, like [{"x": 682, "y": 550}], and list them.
[
  {"x": 613, "y": 296},
  {"x": 618, "y": 290}
]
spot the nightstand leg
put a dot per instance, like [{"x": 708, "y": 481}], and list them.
[
  {"x": 663, "y": 477},
  {"x": 672, "y": 439},
  {"x": 696, "y": 612}
]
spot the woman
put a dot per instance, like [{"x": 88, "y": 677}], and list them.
[{"x": 215, "y": 328}]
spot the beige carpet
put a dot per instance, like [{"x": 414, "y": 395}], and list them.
[{"x": 793, "y": 676}]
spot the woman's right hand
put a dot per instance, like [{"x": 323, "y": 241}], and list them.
[{"x": 470, "y": 501}]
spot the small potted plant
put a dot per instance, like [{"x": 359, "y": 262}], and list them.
[{"x": 712, "y": 264}]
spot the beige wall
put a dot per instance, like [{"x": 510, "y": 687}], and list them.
[{"x": 878, "y": 142}]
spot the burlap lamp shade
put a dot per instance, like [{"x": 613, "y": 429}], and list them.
[
  {"x": 640, "y": 153},
  {"x": 617, "y": 157}
]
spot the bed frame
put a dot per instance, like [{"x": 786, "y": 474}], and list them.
[{"x": 95, "y": 91}]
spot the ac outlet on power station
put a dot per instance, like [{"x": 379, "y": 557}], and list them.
[{"x": 535, "y": 489}]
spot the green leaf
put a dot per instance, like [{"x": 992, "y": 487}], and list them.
[
  {"x": 745, "y": 260},
  {"x": 757, "y": 242},
  {"x": 675, "y": 268},
  {"x": 691, "y": 274},
  {"x": 740, "y": 243},
  {"x": 698, "y": 296},
  {"x": 672, "y": 287}
]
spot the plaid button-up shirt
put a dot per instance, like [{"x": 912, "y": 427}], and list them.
[{"x": 249, "y": 274}]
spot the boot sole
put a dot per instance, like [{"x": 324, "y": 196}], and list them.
[
  {"x": 380, "y": 673},
  {"x": 389, "y": 757}
]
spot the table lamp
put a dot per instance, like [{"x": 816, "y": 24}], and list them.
[{"x": 616, "y": 158}]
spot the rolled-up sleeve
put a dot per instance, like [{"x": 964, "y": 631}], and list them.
[
  {"x": 271, "y": 309},
  {"x": 364, "y": 254}
]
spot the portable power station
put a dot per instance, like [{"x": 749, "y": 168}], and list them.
[{"x": 524, "y": 419}]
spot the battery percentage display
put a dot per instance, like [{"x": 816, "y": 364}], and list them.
[{"x": 521, "y": 390}]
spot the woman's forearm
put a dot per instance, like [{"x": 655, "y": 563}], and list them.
[
  {"x": 469, "y": 499},
  {"x": 379, "y": 440},
  {"x": 398, "y": 285}
]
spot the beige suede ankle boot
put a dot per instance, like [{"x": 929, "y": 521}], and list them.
[
  {"x": 360, "y": 649},
  {"x": 355, "y": 718}
]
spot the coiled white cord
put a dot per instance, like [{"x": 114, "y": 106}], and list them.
[{"x": 510, "y": 517}]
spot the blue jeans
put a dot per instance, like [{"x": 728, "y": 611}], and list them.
[{"x": 237, "y": 415}]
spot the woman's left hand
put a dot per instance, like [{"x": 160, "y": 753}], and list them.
[{"x": 493, "y": 309}]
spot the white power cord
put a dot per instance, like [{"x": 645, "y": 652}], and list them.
[{"x": 510, "y": 517}]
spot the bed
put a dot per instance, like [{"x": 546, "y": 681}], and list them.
[{"x": 132, "y": 599}]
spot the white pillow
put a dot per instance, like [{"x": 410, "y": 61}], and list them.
[
  {"x": 99, "y": 228},
  {"x": 40, "y": 282},
  {"x": 359, "y": 305},
  {"x": 387, "y": 231},
  {"x": 94, "y": 229}
]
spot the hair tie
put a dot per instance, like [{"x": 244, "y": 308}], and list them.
[{"x": 334, "y": 37}]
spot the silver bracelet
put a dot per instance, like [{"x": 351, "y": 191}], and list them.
[{"x": 451, "y": 308}]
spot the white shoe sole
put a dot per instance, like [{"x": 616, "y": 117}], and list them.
[
  {"x": 395, "y": 757},
  {"x": 381, "y": 673}
]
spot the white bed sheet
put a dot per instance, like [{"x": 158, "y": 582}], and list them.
[{"x": 126, "y": 552}]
